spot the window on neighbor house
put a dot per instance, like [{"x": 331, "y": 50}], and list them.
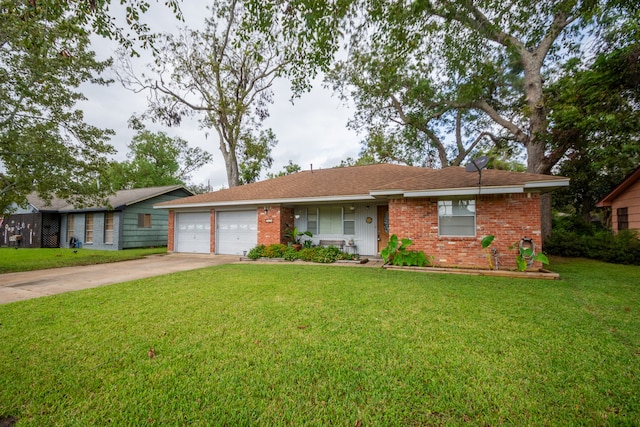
[
  {"x": 108, "y": 227},
  {"x": 457, "y": 217},
  {"x": 623, "y": 218},
  {"x": 144, "y": 220},
  {"x": 331, "y": 220},
  {"x": 88, "y": 228},
  {"x": 71, "y": 226}
]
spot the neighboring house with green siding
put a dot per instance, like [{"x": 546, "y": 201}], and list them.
[{"x": 129, "y": 222}]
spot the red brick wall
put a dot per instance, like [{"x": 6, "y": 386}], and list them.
[
  {"x": 171, "y": 231},
  {"x": 273, "y": 224},
  {"x": 508, "y": 217},
  {"x": 212, "y": 231}
]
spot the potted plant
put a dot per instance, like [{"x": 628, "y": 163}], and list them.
[{"x": 296, "y": 237}]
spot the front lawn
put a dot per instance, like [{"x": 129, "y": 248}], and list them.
[
  {"x": 27, "y": 259},
  {"x": 255, "y": 344}
]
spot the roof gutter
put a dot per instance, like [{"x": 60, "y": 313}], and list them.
[
  {"x": 504, "y": 189},
  {"x": 304, "y": 200}
]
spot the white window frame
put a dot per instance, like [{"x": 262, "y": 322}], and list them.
[
  {"x": 447, "y": 209},
  {"x": 109, "y": 224},
  {"x": 346, "y": 218},
  {"x": 88, "y": 227}
]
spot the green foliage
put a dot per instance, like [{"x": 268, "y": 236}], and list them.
[
  {"x": 256, "y": 155},
  {"x": 487, "y": 241},
  {"x": 621, "y": 248},
  {"x": 275, "y": 250},
  {"x": 526, "y": 256},
  {"x": 288, "y": 169},
  {"x": 295, "y": 235},
  {"x": 317, "y": 254},
  {"x": 156, "y": 159},
  {"x": 45, "y": 143},
  {"x": 256, "y": 252},
  {"x": 397, "y": 253},
  {"x": 225, "y": 78},
  {"x": 290, "y": 254},
  {"x": 434, "y": 81},
  {"x": 595, "y": 112}
]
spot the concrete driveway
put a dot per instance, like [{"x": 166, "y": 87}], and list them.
[{"x": 33, "y": 284}]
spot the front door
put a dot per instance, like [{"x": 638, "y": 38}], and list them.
[{"x": 383, "y": 227}]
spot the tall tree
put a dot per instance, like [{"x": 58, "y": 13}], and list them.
[
  {"x": 223, "y": 76},
  {"x": 492, "y": 58},
  {"x": 45, "y": 145},
  {"x": 156, "y": 159},
  {"x": 45, "y": 57},
  {"x": 396, "y": 107},
  {"x": 597, "y": 107},
  {"x": 256, "y": 155}
]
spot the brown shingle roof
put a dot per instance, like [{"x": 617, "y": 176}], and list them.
[
  {"x": 457, "y": 177},
  {"x": 351, "y": 181},
  {"x": 360, "y": 182}
]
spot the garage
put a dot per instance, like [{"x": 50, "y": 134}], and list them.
[
  {"x": 237, "y": 232},
  {"x": 193, "y": 232}
]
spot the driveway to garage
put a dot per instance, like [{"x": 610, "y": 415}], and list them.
[{"x": 33, "y": 284}]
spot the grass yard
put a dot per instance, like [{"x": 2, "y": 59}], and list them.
[
  {"x": 27, "y": 259},
  {"x": 315, "y": 345}
]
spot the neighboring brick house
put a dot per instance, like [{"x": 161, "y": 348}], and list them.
[
  {"x": 624, "y": 201},
  {"x": 445, "y": 212}
]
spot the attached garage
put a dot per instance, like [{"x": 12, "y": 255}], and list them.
[
  {"x": 193, "y": 232},
  {"x": 237, "y": 232}
]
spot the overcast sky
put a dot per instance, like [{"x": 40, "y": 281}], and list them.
[{"x": 311, "y": 131}]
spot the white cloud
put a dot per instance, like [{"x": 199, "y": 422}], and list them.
[{"x": 311, "y": 131}]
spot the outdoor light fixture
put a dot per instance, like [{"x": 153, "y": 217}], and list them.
[
  {"x": 266, "y": 210},
  {"x": 353, "y": 207}
]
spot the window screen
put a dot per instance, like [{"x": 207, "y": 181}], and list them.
[{"x": 457, "y": 217}]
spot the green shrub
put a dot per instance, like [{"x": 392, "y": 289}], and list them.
[
  {"x": 326, "y": 255},
  {"x": 317, "y": 254},
  {"x": 256, "y": 252},
  {"x": 307, "y": 254},
  {"x": 622, "y": 248},
  {"x": 275, "y": 250},
  {"x": 290, "y": 254}
]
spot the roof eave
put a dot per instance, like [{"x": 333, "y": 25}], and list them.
[
  {"x": 159, "y": 193},
  {"x": 619, "y": 189},
  {"x": 261, "y": 202},
  {"x": 465, "y": 191},
  {"x": 541, "y": 186}
]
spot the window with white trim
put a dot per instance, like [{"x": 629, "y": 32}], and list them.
[
  {"x": 88, "y": 228},
  {"x": 71, "y": 226},
  {"x": 457, "y": 217},
  {"x": 331, "y": 220},
  {"x": 108, "y": 227}
]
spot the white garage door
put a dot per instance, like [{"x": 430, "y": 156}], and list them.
[
  {"x": 237, "y": 232},
  {"x": 193, "y": 231}
]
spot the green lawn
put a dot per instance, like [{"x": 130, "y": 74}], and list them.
[
  {"x": 12, "y": 260},
  {"x": 315, "y": 345}
]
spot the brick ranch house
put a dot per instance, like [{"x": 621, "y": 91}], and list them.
[{"x": 446, "y": 212}]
